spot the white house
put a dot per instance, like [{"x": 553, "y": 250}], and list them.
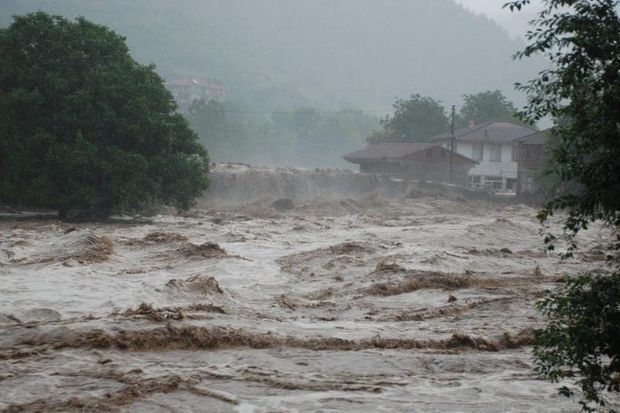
[
  {"x": 187, "y": 90},
  {"x": 494, "y": 146}
]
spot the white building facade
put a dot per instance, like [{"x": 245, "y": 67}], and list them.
[
  {"x": 497, "y": 167},
  {"x": 493, "y": 145}
]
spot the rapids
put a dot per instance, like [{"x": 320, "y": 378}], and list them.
[{"x": 368, "y": 304}]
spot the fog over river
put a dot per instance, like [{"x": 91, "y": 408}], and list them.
[{"x": 419, "y": 302}]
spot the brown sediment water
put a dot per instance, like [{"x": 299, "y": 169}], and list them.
[{"x": 368, "y": 304}]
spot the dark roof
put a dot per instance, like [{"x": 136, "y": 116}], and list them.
[
  {"x": 388, "y": 150},
  {"x": 495, "y": 132},
  {"x": 394, "y": 151},
  {"x": 536, "y": 138}
]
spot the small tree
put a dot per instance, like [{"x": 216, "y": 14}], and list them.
[
  {"x": 582, "y": 87},
  {"x": 84, "y": 126},
  {"x": 211, "y": 123},
  {"x": 415, "y": 120}
]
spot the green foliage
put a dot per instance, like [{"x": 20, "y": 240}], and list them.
[
  {"x": 582, "y": 87},
  {"x": 582, "y": 339},
  {"x": 490, "y": 105},
  {"x": 279, "y": 54},
  {"x": 303, "y": 137},
  {"x": 414, "y": 120},
  {"x": 84, "y": 126},
  {"x": 211, "y": 123}
]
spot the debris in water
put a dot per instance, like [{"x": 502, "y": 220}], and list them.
[
  {"x": 206, "y": 250},
  {"x": 388, "y": 267},
  {"x": 164, "y": 237},
  {"x": 283, "y": 204},
  {"x": 201, "y": 284}
]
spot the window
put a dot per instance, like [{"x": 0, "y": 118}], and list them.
[
  {"x": 525, "y": 153},
  {"x": 511, "y": 184},
  {"x": 476, "y": 151},
  {"x": 515, "y": 150},
  {"x": 529, "y": 183},
  {"x": 474, "y": 181},
  {"x": 493, "y": 182},
  {"x": 496, "y": 153}
]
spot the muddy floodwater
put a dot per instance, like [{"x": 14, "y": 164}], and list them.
[{"x": 367, "y": 305}]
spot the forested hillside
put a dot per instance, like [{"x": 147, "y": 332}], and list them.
[{"x": 276, "y": 54}]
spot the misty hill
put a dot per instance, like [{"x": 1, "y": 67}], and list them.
[{"x": 285, "y": 53}]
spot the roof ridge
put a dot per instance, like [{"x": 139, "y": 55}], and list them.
[{"x": 476, "y": 127}]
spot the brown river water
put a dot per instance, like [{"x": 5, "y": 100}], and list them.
[{"x": 365, "y": 305}]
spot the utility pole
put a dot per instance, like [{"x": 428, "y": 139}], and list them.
[{"x": 452, "y": 143}]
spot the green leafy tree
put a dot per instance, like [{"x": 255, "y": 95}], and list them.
[
  {"x": 581, "y": 87},
  {"x": 414, "y": 120},
  {"x": 84, "y": 126},
  {"x": 487, "y": 106},
  {"x": 211, "y": 123}
]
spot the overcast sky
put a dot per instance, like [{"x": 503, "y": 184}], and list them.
[{"x": 515, "y": 23}]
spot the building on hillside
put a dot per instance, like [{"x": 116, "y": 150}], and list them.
[
  {"x": 494, "y": 146},
  {"x": 187, "y": 90},
  {"x": 428, "y": 161},
  {"x": 530, "y": 160}
]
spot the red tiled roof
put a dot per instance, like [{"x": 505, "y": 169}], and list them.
[
  {"x": 388, "y": 150},
  {"x": 394, "y": 151}
]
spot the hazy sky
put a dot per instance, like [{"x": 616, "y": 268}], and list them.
[{"x": 515, "y": 23}]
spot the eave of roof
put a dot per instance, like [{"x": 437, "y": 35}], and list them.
[{"x": 536, "y": 138}]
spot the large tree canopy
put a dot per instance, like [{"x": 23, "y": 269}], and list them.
[
  {"x": 84, "y": 126},
  {"x": 414, "y": 120},
  {"x": 490, "y": 105},
  {"x": 582, "y": 88}
]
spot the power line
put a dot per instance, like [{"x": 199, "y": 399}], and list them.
[{"x": 322, "y": 112}]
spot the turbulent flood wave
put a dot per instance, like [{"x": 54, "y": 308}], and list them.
[
  {"x": 422, "y": 301},
  {"x": 238, "y": 184}
]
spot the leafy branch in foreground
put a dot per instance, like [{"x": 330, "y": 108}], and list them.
[
  {"x": 581, "y": 39},
  {"x": 582, "y": 339}
]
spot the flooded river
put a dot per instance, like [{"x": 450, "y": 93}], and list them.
[{"x": 369, "y": 305}]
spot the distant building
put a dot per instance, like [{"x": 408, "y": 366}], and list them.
[
  {"x": 187, "y": 90},
  {"x": 428, "y": 161},
  {"x": 531, "y": 159},
  {"x": 494, "y": 146}
]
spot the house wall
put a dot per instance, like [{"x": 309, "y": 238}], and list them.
[
  {"x": 384, "y": 166},
  {"x": 185, "y": 95},
  {"x": 530, "y": 161},
  {"x": 434, "y": 165},
  {"x": 506, "y": 168}
]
